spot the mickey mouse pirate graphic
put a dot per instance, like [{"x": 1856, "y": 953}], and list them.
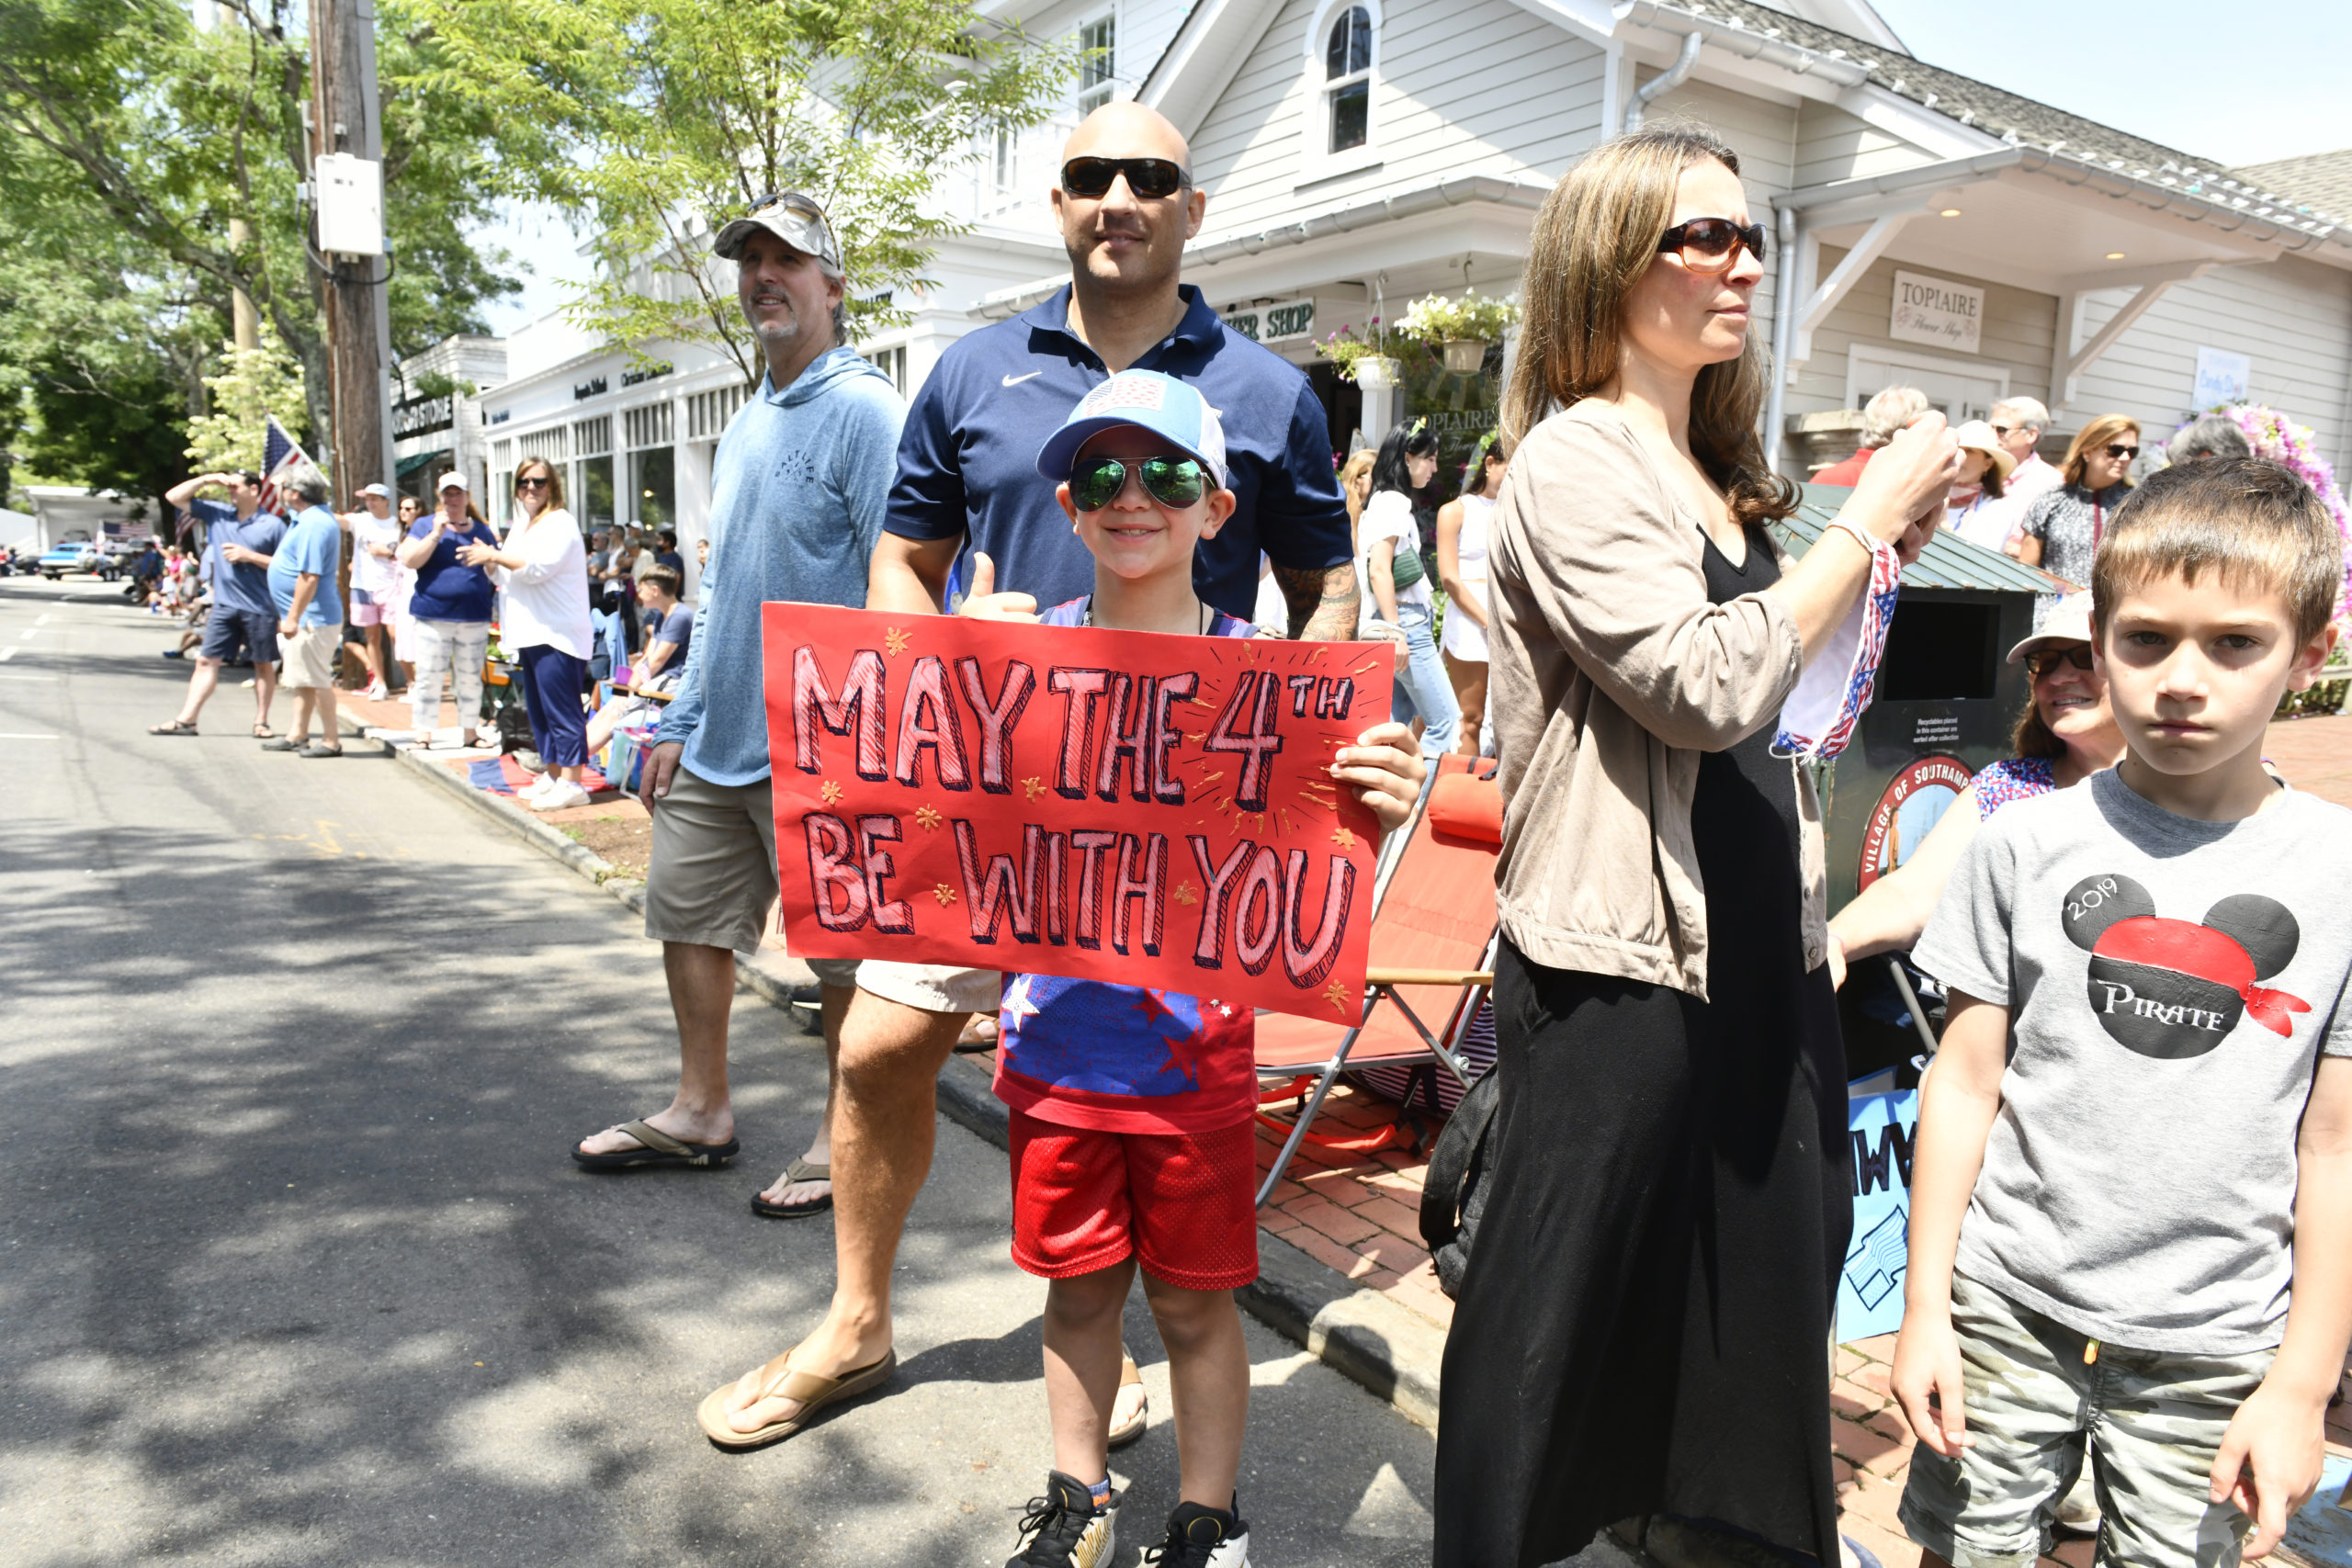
[{"x": 2172, "y": 989}]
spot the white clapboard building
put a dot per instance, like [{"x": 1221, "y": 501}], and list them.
[{"x": 1929, "y": 230}]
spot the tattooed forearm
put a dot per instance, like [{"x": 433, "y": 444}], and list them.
[{"x": 1321, "y": 600}]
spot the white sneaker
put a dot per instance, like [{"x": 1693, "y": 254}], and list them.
[
  {"x": 537, "y": 787},
  {"x": 563, "y": 794},
  {"x": 378, "y": 692}
]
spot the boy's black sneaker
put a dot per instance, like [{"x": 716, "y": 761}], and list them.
[
  {"x": 1202, "y": 1538},
  {"x": 1071, "y": 1532}
]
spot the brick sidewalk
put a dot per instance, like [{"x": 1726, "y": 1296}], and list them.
[{"x": 1359, "y": 1214}]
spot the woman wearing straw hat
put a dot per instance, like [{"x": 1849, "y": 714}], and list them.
[{"x": 1979, "y": 509}]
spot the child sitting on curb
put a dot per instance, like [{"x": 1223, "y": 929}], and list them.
[
  {"x": 2132, "y": 1200},
  {"x": 1117, "y": 1161}
]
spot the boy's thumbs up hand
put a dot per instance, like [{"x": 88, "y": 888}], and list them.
[{"x": 985, "y": 603}]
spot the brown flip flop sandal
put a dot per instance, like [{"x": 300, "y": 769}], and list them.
[
  {"x": 799, "y": 1171},
  {"x": 778, "y": 1380},
  {"x": 658, "y": 1150},
  {"x": 1131, "y": 1376}
]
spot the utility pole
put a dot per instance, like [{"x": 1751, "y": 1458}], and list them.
[{"x": 348, "y": 117}]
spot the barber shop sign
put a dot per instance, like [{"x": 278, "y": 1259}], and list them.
[{"x": 1937, "y": 311}]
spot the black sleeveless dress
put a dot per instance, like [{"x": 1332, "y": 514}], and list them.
[{"x": 1644, "y": 1325}]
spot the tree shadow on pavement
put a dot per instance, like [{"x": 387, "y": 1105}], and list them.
[{"x": 298, "y": 1271}]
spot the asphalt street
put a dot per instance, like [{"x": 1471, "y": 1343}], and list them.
[{"x": 294, "y": 1270}]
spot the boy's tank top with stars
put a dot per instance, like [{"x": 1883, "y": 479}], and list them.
[{"x": 1124, "y": 1058}]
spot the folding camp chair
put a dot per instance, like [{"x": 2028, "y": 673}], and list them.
[{"x": 1430, "y": 957}]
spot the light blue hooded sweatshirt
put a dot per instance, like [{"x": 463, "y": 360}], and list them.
[{"x": 797, "y": 493}]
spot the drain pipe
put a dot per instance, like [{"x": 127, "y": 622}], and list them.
[
  {"x": 1785, "y": 306},
  {"x": 1658, "y": 87}
]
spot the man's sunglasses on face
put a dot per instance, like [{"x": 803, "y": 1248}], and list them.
[
  {"x": 1154, "y": 178},
  {"x": 1712, "y": 244}
]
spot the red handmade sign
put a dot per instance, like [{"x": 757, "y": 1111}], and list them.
[{"x": 1068, "y": 800}]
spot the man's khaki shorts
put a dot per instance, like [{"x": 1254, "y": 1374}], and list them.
[
  {"x": 309, "y": 656},
  {"x": 712, "y": 881},
  {"x": 933, "y": 988}
]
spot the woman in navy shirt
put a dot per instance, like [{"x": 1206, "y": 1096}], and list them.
[{"x": 450, "y": 610}]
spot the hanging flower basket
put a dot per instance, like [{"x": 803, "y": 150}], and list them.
[
  {"x": 1461, "y": 328},
  {"x": 1366, "y": 363}
]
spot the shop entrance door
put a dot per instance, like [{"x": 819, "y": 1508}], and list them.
[{"x": 1964, "y": 389}]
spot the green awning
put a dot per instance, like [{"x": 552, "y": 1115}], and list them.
[
  {"x": 1948, "y": 562},
  {"x": 408, "y": 465}
]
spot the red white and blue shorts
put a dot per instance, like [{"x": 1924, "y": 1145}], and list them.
[{"x": 1183, "y": 1204}]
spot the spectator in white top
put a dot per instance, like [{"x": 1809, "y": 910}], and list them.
[
  {"x": 375, "y": 577},
  {"x": 2019, "y": 421},
  {"x": 542, "y": 570},
  {"x": 1388, "y": 538},
  {"x": 1981, "y": 508}
]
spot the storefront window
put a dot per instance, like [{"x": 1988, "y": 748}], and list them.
[
  {"x": 1460, "y": 409},
  {"x": 653, "y": 478},
  {"x": 595, "y": 491}
]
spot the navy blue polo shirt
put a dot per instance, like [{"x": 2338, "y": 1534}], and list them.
[{"x": 967, "y": 460}]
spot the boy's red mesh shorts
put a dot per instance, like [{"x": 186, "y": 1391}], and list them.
[{"x": 1183, "y": 1204}]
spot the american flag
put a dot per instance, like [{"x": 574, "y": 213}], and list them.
[{"x": 281, "y": 456}]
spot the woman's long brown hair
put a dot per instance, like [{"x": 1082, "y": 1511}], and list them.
[{"x": 1596, "y": 234}]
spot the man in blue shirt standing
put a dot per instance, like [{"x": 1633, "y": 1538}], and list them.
[
  {"x": 239, "y": 542},
  {"x": 302, "y": 584},
  {"x": 798, "y": 491},
  {"x": 968, "y": 481}
]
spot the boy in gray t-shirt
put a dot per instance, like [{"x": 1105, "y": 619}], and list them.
[{"x": 2133, "y": 1188}]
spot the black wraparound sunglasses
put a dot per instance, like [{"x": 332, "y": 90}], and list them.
[
  {"x": 2123, "y": 451},
  {"x": 2042, "y": 661},
  {"x": 1152, "y": 177},
  {"x": 1712, "y": 244},
  {"x": 1096, "y": 483}
]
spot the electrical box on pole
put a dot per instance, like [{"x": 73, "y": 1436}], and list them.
[{"x": 351, "y": 204}]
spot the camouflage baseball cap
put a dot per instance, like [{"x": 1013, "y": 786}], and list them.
[{"x": 795, "y": 219}]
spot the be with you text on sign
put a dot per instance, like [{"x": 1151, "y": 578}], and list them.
[{"x": 1116, "y": 806}]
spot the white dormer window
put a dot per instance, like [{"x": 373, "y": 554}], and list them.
[
  {"x": 1340, "y": 122},
  {"x": 1098, "y": 44},
  {"x": 1347, "y": 80}
]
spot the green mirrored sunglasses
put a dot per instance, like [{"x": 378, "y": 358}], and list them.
[{"x": 1096, "y": 483}]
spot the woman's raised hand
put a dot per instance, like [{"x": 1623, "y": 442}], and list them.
[
  {"x": 985, "y": 603},
  {"x": 1900, "y": 497}
]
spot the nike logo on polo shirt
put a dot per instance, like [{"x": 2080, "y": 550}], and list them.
[{"x": 1016, "y": 381}]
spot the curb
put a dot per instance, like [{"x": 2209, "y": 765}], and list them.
[{"x": 1394, "y": 1353}]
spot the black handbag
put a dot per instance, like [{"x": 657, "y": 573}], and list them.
[{"x": 1452, "y": 1196}]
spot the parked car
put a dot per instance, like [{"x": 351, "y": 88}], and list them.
[{"x": 79, "y": 557}]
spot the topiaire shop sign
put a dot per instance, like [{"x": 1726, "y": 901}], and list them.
[{"x": 1937, "y": 311}]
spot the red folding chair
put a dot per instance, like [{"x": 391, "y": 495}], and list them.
[{"x": 1428, "y": 966}]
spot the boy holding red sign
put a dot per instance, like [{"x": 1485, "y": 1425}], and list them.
[{"x": 1133, "y": 1136}]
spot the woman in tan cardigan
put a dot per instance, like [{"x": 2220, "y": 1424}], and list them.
[{"x": 1645, "y": 1325}]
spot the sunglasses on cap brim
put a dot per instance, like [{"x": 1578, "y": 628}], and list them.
[
  {"x": 1154, "y": 178},
  {"x": 1095, "y": 482}
]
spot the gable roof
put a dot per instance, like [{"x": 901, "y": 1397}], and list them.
[
  {"x": 2019, "y": 120},
  {"x": 2321, "y": 184}
]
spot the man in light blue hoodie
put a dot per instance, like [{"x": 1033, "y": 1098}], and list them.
[{"x": 797, "y": 494}]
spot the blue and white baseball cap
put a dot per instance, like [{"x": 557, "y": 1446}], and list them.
[{"x": 1159, "y": 403}]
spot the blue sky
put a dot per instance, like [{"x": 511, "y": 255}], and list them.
[
  {"x": 2190, "y": 74},
  {"x": 2239, "y": 83}
]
